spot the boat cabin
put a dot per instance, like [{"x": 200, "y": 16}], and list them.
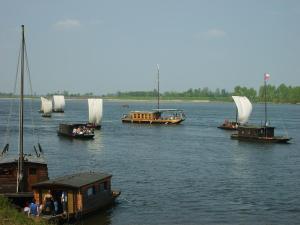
[
  {"x": 255, "y": 131},
  {"x": 78, "y": 130},
  {"x": 76, "y": 194},
  {"x": 34, "y": 171}
]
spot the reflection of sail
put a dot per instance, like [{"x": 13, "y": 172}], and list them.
[
  {"x": 95, "y": 110},
  {"x": 58, "y": 103},
  {"x": 244, "y": 107}
]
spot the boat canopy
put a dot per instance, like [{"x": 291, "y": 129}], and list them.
[
  {"x": 244, "y": 108},
  {"x": 58, "y": 102},
  {"x": 95, "y": 110}
]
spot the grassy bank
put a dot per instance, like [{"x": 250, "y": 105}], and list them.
[{"x": 11, "y": 216}]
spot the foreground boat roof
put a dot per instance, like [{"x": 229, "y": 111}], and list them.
[{"x": 75, "y": 180}]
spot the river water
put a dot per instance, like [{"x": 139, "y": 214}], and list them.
[{"x": 191, "y": 173}]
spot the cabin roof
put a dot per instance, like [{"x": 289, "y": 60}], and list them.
[
  {"x": 168, "y": 110},
  {"x": 75, "y": 180},
  {"x": 253, "y": 126},
  {"x": 27, "y": 158}
]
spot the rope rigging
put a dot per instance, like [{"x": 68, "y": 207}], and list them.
[{"x": 38, "y": 151}]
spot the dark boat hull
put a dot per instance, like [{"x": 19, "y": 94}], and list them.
[
  {"x": 275, "y": 139},
  {"x": 77, "y": 136}
]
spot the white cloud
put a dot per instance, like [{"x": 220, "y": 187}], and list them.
[
  {"x": 213, "y": 33},
  {"x": 67, "y": 24}
]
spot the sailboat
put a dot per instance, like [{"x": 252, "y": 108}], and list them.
[
  {"x": 263, "y": 133},
  {"x": 19, "y": 173},
  {"x": 243, "y": 112},
  {"x": 156, "y": 116},
  {"x": 58, "y": 103},
  {"x": 95, "y": 113},
  {"x": 46, "y": 107}
]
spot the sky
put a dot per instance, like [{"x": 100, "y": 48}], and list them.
[{"x": 108, "y": 46}]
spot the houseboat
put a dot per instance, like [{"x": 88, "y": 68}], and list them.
[
  {"x": 76, "y": 130},
  {"x": 77, "y": 194},
  {"x": 156, "y": 116},
  {"x": 263, "y": 133},
  {"x": 243, "y": 112},
  {"x": 19, "y": 172}
]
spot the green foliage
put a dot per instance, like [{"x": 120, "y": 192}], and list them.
[{"x": 11, "y": 216}]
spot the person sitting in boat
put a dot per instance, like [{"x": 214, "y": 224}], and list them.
[{"x": 74, "y": 131}]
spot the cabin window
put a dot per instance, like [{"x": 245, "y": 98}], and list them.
[
  {"x": 32, "y": 171},
  {"x": 134, "y": 115},
  {"x": 105, "y": 184},
  {"x": 5, "y": 172}
]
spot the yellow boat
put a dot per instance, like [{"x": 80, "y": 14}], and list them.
[{"x": 156, "y": 116}]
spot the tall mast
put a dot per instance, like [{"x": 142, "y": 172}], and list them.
[
  {"x": 265, "y": 101},
  {"x": 20, "y": 183},
  {"x": 157, "y": 86}
]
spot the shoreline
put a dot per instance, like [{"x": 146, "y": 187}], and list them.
[{"x": 148, "y": 100}]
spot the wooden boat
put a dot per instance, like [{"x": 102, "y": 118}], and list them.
[
  {"x": 263, "y": 133},
  {"x": 77, "y": 194},
  {"x": 258, "y": 134},
  {"x": 95, "y": 113},
  {"x": 46, "y": 107},
  {"x": 76, "y": 130},
  {"x": 156, "y": 116},
  {"x": 243, "y": 112},
  {"x": 19, "y": 173},
  {"x": 58, "y": 103}
]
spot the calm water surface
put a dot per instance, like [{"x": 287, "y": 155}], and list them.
[{"x": 192, "y": 173}]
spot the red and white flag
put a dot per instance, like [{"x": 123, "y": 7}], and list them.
[{"x": 267, "y": 76}]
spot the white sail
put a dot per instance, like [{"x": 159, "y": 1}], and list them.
[
  {"x": 95, "y": 110},
  {"x": 42, "y": 104},
  {"x": 58, "y": 103},
  {"x": 46, "y": 105},
  {"x": 244, "y": 107}
]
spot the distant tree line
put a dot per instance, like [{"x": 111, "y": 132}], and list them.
[{"x": 280, "y": 94}]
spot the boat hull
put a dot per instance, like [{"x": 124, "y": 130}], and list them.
[
  {"x": 158, "y": 121},
  {"x": 76, "y": 136},
  {"x": 275, "y": 139}
]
